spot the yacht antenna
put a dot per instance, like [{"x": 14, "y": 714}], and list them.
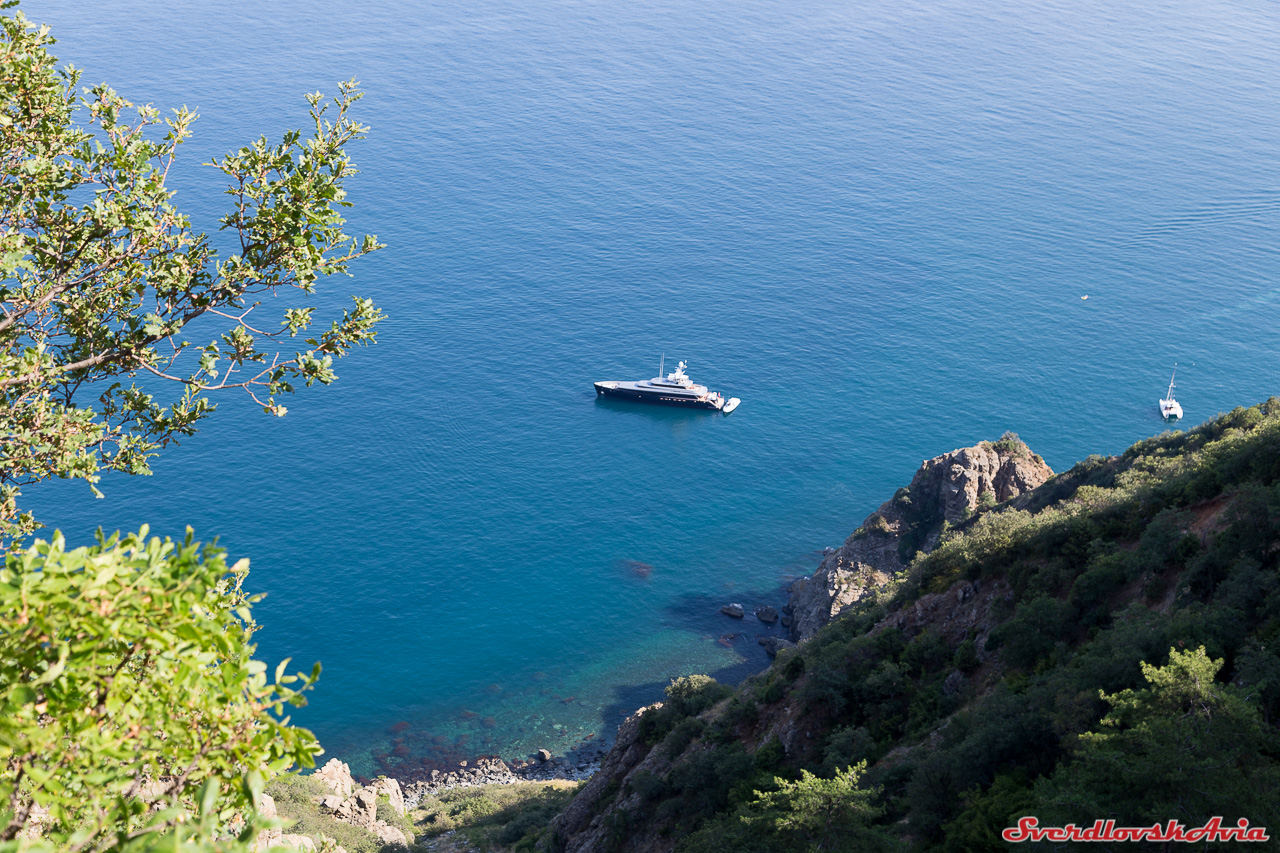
[{"x": 662, "y": 364}]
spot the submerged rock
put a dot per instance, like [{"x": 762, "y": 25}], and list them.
[{"x": 636, "y": 569}]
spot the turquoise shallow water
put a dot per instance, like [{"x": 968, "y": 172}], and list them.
[{"x": 872, "y": 221}]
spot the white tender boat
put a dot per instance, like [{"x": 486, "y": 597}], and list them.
[{"x": 1169, "y": 407}]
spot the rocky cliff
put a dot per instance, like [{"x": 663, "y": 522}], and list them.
[
  {"x": 944, "y": 492},
  {"x": 984, "y": 681},
  {"x": 971, "y": 689}
]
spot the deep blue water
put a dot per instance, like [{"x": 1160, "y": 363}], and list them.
[{"x": 872, "y": 221}]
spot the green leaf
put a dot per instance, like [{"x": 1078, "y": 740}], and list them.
[
  {"x": 58, "y": 666},
  {"x": 209, "y": 798}
]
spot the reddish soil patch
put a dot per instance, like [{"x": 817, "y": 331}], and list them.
[{"x": 1209, "y": 517}]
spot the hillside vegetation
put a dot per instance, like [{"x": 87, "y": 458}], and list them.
[{"x": 1102, "y": 647}]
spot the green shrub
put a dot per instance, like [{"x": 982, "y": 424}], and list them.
[
  {"x": 388, "y": 815},
  {"x": 770, "y": 754},
  {"x": 684, "y": 733},
  {"x": 1031, "y": 634},
  {"x": 773, "y": 690},
  {"x": 927, "y": 652},
  {"x": 647, "y": 785},
  {"x": 470, "y": 805},
  {"x": 740, "y": 710},
  {"x": 966, "y": 657},
  {"x": 705, "y": 779},
  {"x": 826, "y": 688},
  {"x": 1010, "y": 443},
  {"x": 846, "y": 746},
  {"x": 654, "y": 724},
  {"x": 820, "y": 814},
  {"x": 1094, "y": 587},
  {"x": 985, "y": 813},
  {"x": 515, "y": 816},
  {"x": 693, "y": 694},
  {"x": 876, "y": 524}
]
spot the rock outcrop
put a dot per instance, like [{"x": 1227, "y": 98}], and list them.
[
  {"x": 359, "y": 807},
  {"x": 946, "y": 490},
  {"x": 390, "y": 789},
  {"x": 773, "y": 645},
  {"x": 269, "y": 838},
  {"x": 337, "y": 776}
]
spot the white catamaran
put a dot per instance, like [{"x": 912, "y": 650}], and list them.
[{"x": 1169, "y": 407}]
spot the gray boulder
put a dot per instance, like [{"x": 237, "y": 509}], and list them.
[{"x": 773, "y": 645}]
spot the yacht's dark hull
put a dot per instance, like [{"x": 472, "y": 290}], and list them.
[{"x": 620, "y": 392}]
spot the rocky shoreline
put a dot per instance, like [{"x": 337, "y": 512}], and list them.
[
  {"x": 948, "y": 491},
  {"x": 945, "y": 491},
  {"x": 577, "y": 766},
  {"x": 354, "y": 801}
]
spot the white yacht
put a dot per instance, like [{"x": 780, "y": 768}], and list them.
[
  {"x": 674, "y": 389},
  {"x": 1169, "y": 407}
]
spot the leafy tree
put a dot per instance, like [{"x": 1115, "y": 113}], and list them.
[
  {"x": 132, "y": 712},
  {"x": 815, "y": 814},
  {"x": 986, "y": 814},
  {"x": 692, "y": 694},
  {"x": 129, "y": 692},
  {"x": 1032, "y": 632},
  {"x": 1184, "y": 748},
  {"x": 1259, "y": 668},
  {"x": 100, "y": 275}
]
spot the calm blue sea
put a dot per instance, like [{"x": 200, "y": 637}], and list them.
[{"x": 873, "y": 220}]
